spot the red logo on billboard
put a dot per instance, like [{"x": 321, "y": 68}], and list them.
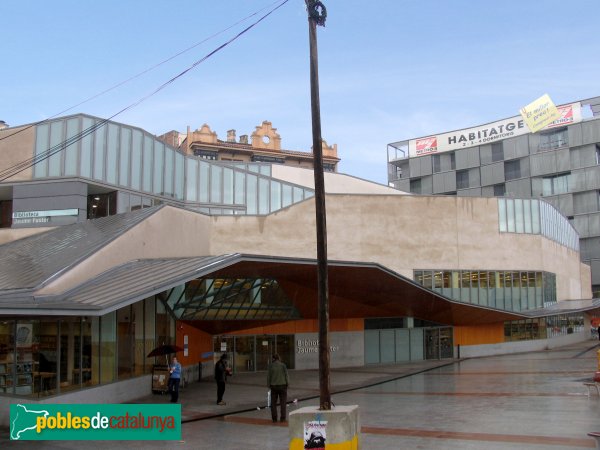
[
  {"x": 426, "y": 145},
  {"x": 566, "y": 116}
]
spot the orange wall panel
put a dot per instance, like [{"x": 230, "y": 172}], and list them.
[
  {"x": 198, "y": 342},
  {"x": 479, "y": 334}
]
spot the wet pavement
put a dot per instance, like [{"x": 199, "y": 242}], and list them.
[{"x": 524, "y": 401}]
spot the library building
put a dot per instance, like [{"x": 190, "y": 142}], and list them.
[{"x": 114, "y": 242}]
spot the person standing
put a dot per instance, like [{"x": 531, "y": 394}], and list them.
[
  {"x": 277, "y": 380},
  {"x": 599, "y": 332},
  {"x": 174, "y": 379},
  {"x": 221, "y": 373}
]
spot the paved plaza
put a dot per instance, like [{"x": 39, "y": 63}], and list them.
[{"x": 524, "y": 401}]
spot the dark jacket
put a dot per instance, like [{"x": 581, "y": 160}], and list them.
[
  {"x": 277, "y": 375},
  {"x": 221, "y": 371}
]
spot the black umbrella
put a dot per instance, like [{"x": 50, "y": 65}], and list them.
[{"x": 164, "y": 349}]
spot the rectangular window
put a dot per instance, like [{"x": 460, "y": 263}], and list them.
[
  {"x": 452, "y": 161},
  {"x": 499, "y": 190},
  {"x": 415, "y": 186},
  {"x": 558, "y": 184},
  {"x": 553, "y": 139},
  {"x": 497, "y": 151},
  {"x": 437, "y": 164},
  {"x": 512, "y": 170},
  {"x": 462, "y": 179}
]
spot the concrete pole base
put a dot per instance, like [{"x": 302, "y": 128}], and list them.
[{"x": 338, "y": 428}]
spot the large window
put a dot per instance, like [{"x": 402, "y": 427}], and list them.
[
  {"x": 512, "y": 170},
  {"x": 497, "y": 151},
  {"x": 553, "y": 139},
  {"x": 462, "y": 179},
  {"x": 508, "y": 290},
  {"x": 557, "y": 184},
  {"x": 415, "y": 186}
]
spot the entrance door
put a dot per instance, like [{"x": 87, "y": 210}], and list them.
[
  {"x": 244, "y": 354},
  {"x": 285, "y": 349},
  {"x": 432, "y": 343},
  {"x": 265, "y": 347},
  {"x": 224, "y": 344}
]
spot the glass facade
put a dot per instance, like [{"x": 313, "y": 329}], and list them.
[
  {"x": 536, "y": 217},
  {"x": 49, "y": 356},
  {"x": 254, "y": 353},
  {"x": 231, "y": 299},
  {"x": 542, "y": 328},
  {"x": 132, "y": 159},
  {"x": 511, "y": 290}
]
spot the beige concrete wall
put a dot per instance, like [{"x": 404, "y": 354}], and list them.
[
  {"x": 405, "y": 233},
  {"x": 335, "y": 183},
  {"x": 13, "y": 234},
  {"x": 17, "y": 149},
  {"x": 169, "y": 233}
]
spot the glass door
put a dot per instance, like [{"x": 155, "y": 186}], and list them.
[
  {"x": 285, "y": 348},
  {"x": 244, "y": 354},
  {"x": 265, "y": 347}
]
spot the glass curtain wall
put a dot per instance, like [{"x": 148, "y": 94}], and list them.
[
  {"x": 132, "y": 159},
  {"x": 506, "y": 290},
  {"x": 50, "y": 356}
]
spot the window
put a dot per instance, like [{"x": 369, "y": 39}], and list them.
[
  {"x": 553, "y": 139},
  {"x": 597, "y": 155},
  {"x": 499, "y": 190},
  {"x": 558, "y": 184},
  {"x": 268, "y": 159},
  {"x": 512, "y": 170},
  {"x": 462, "y": 179},
  {"x": 497, "y": 152},
  {"x": 437, "y": 163},
  {"x": 415, "y": 186},
  {"x": 329, "y": 167},
  {"x": 207, "y": 154},
  {"x": 452, "y": 161}
]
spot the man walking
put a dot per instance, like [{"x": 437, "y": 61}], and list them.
[
  {"x": 277, "y": 380},
  {"x": 174, "y": 379},
  {"x": 221, "y": 372}
]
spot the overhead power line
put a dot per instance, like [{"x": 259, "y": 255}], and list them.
[
  {"x": 143, "y": 72},
  {"x": 24, "y": 165}
]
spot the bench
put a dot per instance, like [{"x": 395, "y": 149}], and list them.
[
  {"x": 592, "y": 385},
  {"x": 596, "y": 435}
]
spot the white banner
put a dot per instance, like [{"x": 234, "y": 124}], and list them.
[{"x": 488, "y": 133}]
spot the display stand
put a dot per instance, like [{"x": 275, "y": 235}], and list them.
[{"x": 160, "y": 379}]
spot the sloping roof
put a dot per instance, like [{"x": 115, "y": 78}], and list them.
[{"x": 30, "y": 262}]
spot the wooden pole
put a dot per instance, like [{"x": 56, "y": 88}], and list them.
[{"x": 316, "y": 16}]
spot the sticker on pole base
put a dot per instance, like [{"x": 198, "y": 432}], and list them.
[{"x": 315, "y": 435}]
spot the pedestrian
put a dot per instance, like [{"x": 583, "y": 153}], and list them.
[
  {"x": 277, "y": 380},
  {"x": 221, "y": 374},
  {"x": 599, "y": 332},
  {"x": 174, "y": 379}
]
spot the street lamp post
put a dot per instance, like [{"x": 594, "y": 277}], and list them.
[{"x": 316, "y": 16}]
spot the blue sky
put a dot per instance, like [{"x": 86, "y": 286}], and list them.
[{"x": 389, "y": 70}]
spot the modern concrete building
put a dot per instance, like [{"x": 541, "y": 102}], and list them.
[
  {"x": 560, "y": 164},
  {"x": 218, "y": 256},
  {"x": 264, "y": 146}
]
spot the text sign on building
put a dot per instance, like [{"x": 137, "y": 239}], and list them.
[
  {"x": 540, "y": 113},
  {"x": 488, "y": 133},
  {"x": 41, "y": 216}
]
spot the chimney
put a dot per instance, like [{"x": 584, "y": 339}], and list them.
[
  {"x": 230, "y": 135},
  {"x": 244, "y": 139},
  {"x": 3, "y": 125}
]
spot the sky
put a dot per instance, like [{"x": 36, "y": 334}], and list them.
[{"x": 389, "y": 70}]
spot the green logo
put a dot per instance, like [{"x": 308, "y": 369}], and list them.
[{"x": 95, "y": 422}]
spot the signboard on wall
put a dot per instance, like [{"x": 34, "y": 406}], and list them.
[
  {"x": 488, "y": 133},
  {"x": 21, "y": 217}
]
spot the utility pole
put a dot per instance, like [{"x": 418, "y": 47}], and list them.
[{"x": 316, "y": 16}]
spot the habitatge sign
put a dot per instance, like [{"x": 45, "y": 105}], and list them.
[{"x": 488, "y": 133}]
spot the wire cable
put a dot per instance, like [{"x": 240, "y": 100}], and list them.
[
  {"x": 24, "y": 165},
  {"x": 149, "y": 69}
]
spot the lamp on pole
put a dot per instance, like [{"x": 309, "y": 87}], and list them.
[{"x": 316, "y": 16}]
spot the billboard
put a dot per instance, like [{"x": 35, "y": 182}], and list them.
[{"x": 488, "y": 133}]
